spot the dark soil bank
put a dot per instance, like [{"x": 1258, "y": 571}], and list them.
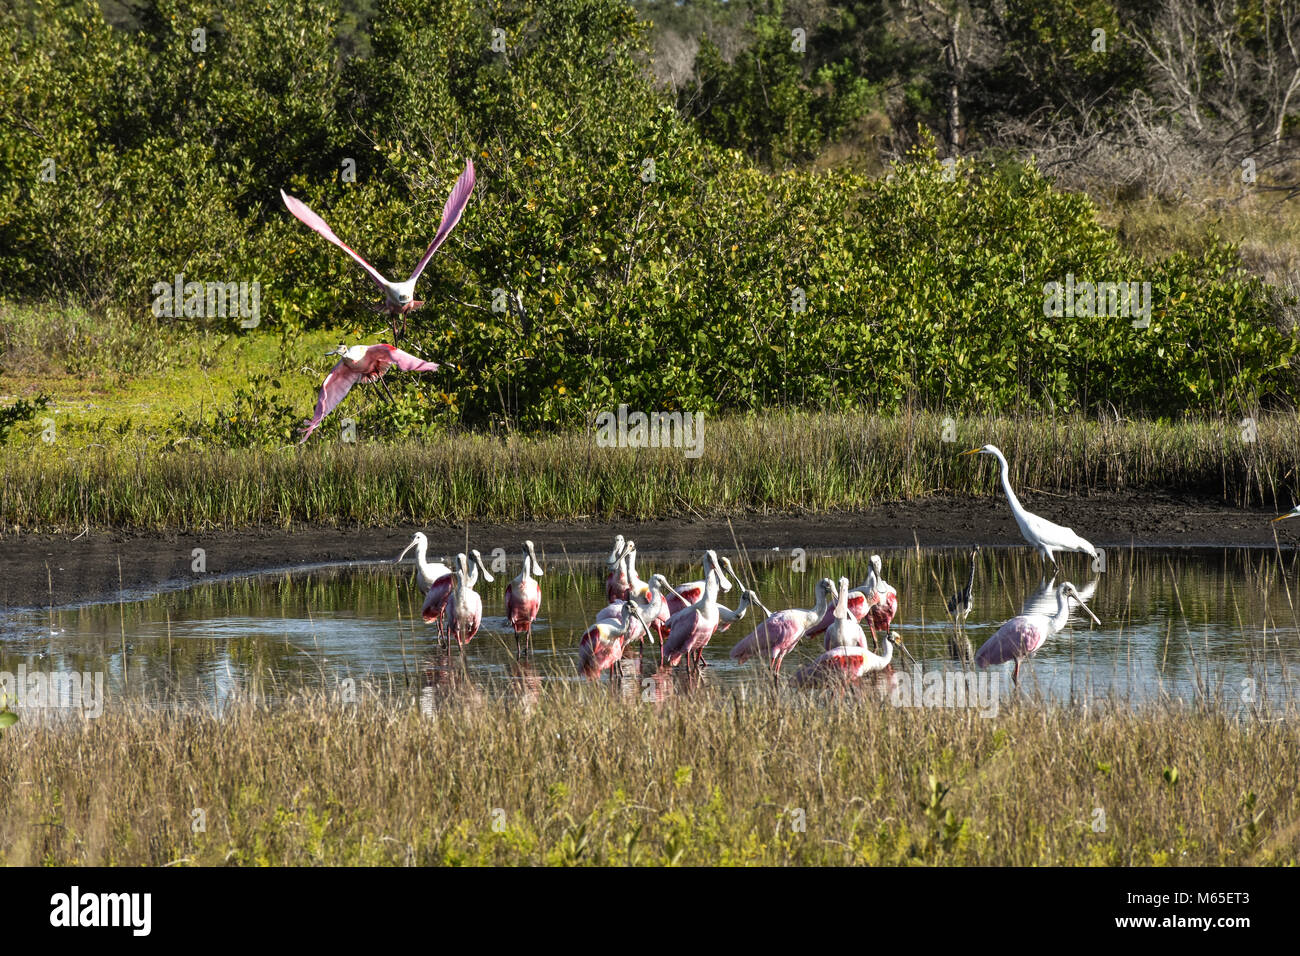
[{"x": 39, "y": 570}]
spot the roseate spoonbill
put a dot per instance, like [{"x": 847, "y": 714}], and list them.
[
  {"x": 399, "y": 297},
  {"x": 361, "y": 363},
  {"x": 861, "y": 598},
  {"x": 524, "y": 598},
  {"x": 1046, "y": 538},
  {"x": 688, "y": 594},
  {"x": 844, "y": 630},
  {"x": 691, "y": 628},
  {"x": 651, "y": 597},
  {"x": 1024, "y": 634},
  {"x": 615, "y": 573},
  {"x": 961, "y": 602},
  {"x": 465, "y": 607},
  {"x": 848, "y": 664},
  {"x": 875, "y": 601},
  {"x": 632, "y": 584},
  {"x": 779, "y": 634},
  {"x": 882, "y": 612},
  {"x": 435, "y": 599},
  {"x": 601, "y": 645},
  {"x": 427, "y": 572}
]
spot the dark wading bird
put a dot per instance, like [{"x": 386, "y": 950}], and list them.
[
  {"x": 959, "y": 606},
  {"x": 399, "y": 297}
]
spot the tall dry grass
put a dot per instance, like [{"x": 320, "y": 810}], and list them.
[{"x": 565, "y": 774}]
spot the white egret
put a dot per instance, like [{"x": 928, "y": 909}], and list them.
[{"x": 1047, "y": 538}]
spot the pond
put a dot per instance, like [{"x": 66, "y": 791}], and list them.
[{"x": 1184, "y": 624}]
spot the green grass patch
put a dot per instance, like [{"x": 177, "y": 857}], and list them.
[{"x": 778, "y": 462}]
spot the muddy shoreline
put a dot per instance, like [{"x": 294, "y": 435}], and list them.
[{"x": 45, "y": 570}]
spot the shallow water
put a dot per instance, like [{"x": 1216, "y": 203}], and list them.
[{"x": 1186, "y": 624}]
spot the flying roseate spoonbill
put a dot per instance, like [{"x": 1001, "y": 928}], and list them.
[
  {"x": 361, "y": 363},
  {"x": 848, "y": 664},
  {"x": 435, "y": 599},
  {"x": 1046, "y": 538},
  {"x": 961, "y": 602},
  {"x": 524, "y": 598},
  {"x": 427, "y": 572},
  {"x": 779, "y": 634},
  {"x": 399, "y": 297},
  {"x": 601, "y": 645},
  {"x": 464, "y": 607},
  {"x": 691, "y": 628},
  {"x": 1024, "y": 634},
  {"x": 615, "y": 572},
  {"x": 687, "y": 594}
]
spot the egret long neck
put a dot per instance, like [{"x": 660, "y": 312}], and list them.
[{"x": 1016, "y": 506}]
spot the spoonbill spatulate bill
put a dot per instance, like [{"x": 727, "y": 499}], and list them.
[
  {"x": 1047, "y": 538},
  {"x": 399, "y": 297},
  {"x": 360, "y": 363}
]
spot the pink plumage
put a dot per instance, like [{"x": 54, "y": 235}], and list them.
[
  {"x": 1024, "y": 634},
  {"x": 688, "y": 633},
  {"x": 781, "y": 632},
  {"x": 689, "y": 594},
  {"x": 883, "y": 611},
  {"x": 399, "y": 297},
  {"x": 775, "y": 637},
  {"x": 435, "y": 599},
  {"x": 522, "y": 604},
  {"x": 360, "y": 364},
  {"x": 1016, "y": 639},
  {"x": 464, "y": 616},
  {"x": 451, "y": 213}
]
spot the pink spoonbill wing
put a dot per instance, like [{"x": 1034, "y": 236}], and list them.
[
  {"x": 451, "y": 213},
  {"x": 370, "y": 367},
  {"x": 1016, "y": 639},
  {"x": 405, "y": 360},
  {"x": 337, "y": 384},
  {"x": 309, "y": 218}
]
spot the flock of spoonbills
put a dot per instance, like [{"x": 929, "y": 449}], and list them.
[{"x": 682, "y": 619}]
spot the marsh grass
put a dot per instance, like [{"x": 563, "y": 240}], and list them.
[
  {"x": 569, "y": 774},
  {"x": 778, "y": 462}
]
